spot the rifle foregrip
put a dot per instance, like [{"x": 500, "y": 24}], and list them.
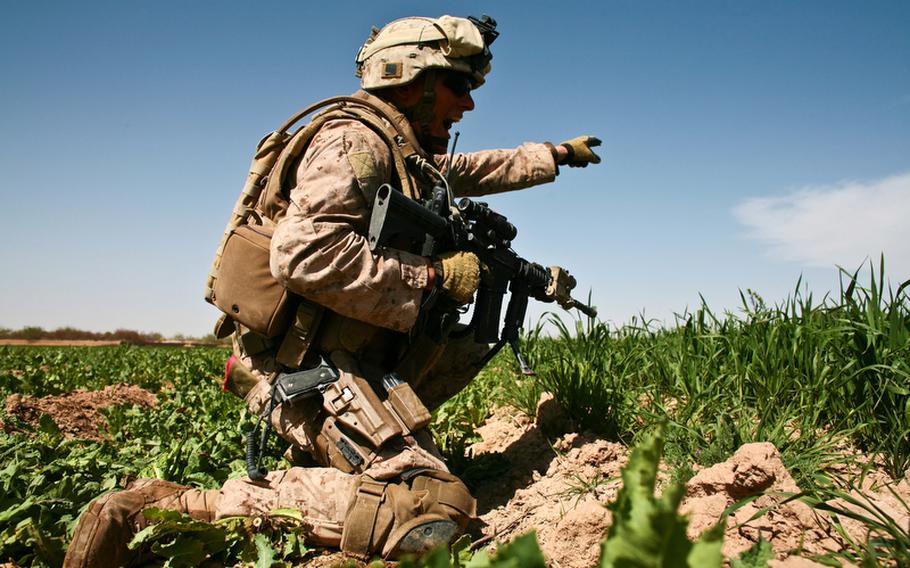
[{"x": 486, "y": 315}]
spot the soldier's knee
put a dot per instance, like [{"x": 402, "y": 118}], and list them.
[{"x": 425, "y": 510}]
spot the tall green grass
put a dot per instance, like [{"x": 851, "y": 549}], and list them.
[{"x": 802, "y": 374}]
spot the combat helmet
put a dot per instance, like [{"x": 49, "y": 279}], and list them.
[{"x": 400, "y": 51}]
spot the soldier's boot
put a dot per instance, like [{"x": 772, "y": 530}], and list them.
[
  {"x": 110, "y": 522},
  {"x": 426, "y": 510}
]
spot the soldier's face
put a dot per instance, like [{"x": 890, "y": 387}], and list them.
[{"x": 453, "y": 99}]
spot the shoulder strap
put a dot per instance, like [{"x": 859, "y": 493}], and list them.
[
  {"x": 378, "y": 116},
  {"x": 280, "y": 148},
  {"x": 267, "y": 153}
]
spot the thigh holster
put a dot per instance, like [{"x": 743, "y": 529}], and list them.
[{"x": 363, "y": 417}]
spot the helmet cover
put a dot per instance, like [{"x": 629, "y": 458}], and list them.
[{"x": 400, "y": 51}]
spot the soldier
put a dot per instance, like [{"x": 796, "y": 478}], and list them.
[{"x": 383, "y": 323}]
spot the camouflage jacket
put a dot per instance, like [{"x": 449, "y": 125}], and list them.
[{"x": 319, "y": 249}]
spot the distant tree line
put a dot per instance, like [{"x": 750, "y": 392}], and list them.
[{"x": 71, "y": 333}]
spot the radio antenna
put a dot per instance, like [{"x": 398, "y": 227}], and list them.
[{"x": 449, "y": 169}]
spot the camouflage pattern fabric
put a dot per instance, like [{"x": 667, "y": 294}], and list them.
[
  {"x": 321, "y": 494},
  {"x": 319, "y": 250}
]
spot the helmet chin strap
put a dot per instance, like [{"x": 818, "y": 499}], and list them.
[{"x": 421, "y": 113}]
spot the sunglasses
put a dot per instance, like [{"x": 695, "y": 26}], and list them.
[{"x": 459, "y": 84}]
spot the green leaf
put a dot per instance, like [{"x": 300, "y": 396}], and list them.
[
  {"x": 13, "y": 512},
  {"x": 708, "y": 549},
  {"x": 265, "y": 554},
  {"x": 481, "y": 559},
  {"x": 648, "y": 532},
  {"x": 756, "y": 557},
  {"x": 292, "y": 514},
  {"x": 461, "y": 551},
  {"x": 294, "y": 546},
  {"x": 181, "y": 553},
  {"x": 437, "y": 558},
  {"x": 523, "y": 552},
  {"x": 47, "y": 425}
]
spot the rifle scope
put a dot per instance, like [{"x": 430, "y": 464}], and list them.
[{"x": 491, "y": 223}]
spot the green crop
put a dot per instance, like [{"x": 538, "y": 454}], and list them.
[
  {"x": 647, "y": 532},
  {"x": 192, "y": 436},
  {"x": 805, "y": 375}
]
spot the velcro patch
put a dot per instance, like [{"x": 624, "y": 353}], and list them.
[
  {"x": 391, "y": 70},
  {"x": 363, "y": 165}
]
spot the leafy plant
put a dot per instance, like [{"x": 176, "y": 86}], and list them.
[
  {"x": 756, "y": 557},
  {"x": 185, "y": 542},
  {"x": 647, "y": 531}
]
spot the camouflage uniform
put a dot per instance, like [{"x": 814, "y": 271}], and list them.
[{"x": 319, "y": 251}]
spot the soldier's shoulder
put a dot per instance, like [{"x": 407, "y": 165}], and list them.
[{"x": 354, "y": 132}]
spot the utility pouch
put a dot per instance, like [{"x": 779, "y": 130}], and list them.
[
  {"x": 299, "y": 336},
  {"x": 238, "y": 379},
  {"x": 340, "y": 451},
  {"x": 245, "y": 288},
  {"x": 405, "y": 404}
]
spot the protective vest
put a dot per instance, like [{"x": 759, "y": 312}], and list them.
[{"x": 240, "y": 282}]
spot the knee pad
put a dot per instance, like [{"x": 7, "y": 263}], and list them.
[{"x": 423, "y": 511}]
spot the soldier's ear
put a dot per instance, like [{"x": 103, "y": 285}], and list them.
[{"x": 405, "y": 96}]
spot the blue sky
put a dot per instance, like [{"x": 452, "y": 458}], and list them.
[{"x": 745, "y": 143}]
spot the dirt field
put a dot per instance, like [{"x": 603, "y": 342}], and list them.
[
  {"x": 561, "y": 491},
  {"x": 60, "y": 342},
  {"x": 76, "y": 413},
  {"x": 560, "y": 487}
]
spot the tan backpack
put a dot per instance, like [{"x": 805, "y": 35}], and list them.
[{"x": 240, "y": 282}]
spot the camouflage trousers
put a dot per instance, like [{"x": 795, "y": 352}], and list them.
[
  {"x": 400, "y": 499},
  {"x": 321, "y": 494},
  {"x": 372, "y": 504},
  {"x": 435, "y": 371},
  {"x": 362, "y": 516}
]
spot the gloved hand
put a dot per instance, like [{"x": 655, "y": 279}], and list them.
[
  {"x": 580, "y": 153},
  {"x": 460, "y": 274}
]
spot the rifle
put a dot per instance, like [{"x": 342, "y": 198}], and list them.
[{"x": 438, "y": 227}]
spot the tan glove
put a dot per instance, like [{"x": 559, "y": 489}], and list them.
[
  {"x": 460, "y": 274},
  {"x": 580, "y": 153}
]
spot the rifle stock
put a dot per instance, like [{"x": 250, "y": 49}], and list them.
[{"x": 396, "y": 218}]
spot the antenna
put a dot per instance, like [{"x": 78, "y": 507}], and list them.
[{"x": 449, "y": 192}]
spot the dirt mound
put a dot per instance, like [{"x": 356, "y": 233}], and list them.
[
  {"x": 562, "y": 490},
  {"x": 559, "y": 490},
  {"x": 76, "y": 413},
  {"x": 756, "y": 469}
]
